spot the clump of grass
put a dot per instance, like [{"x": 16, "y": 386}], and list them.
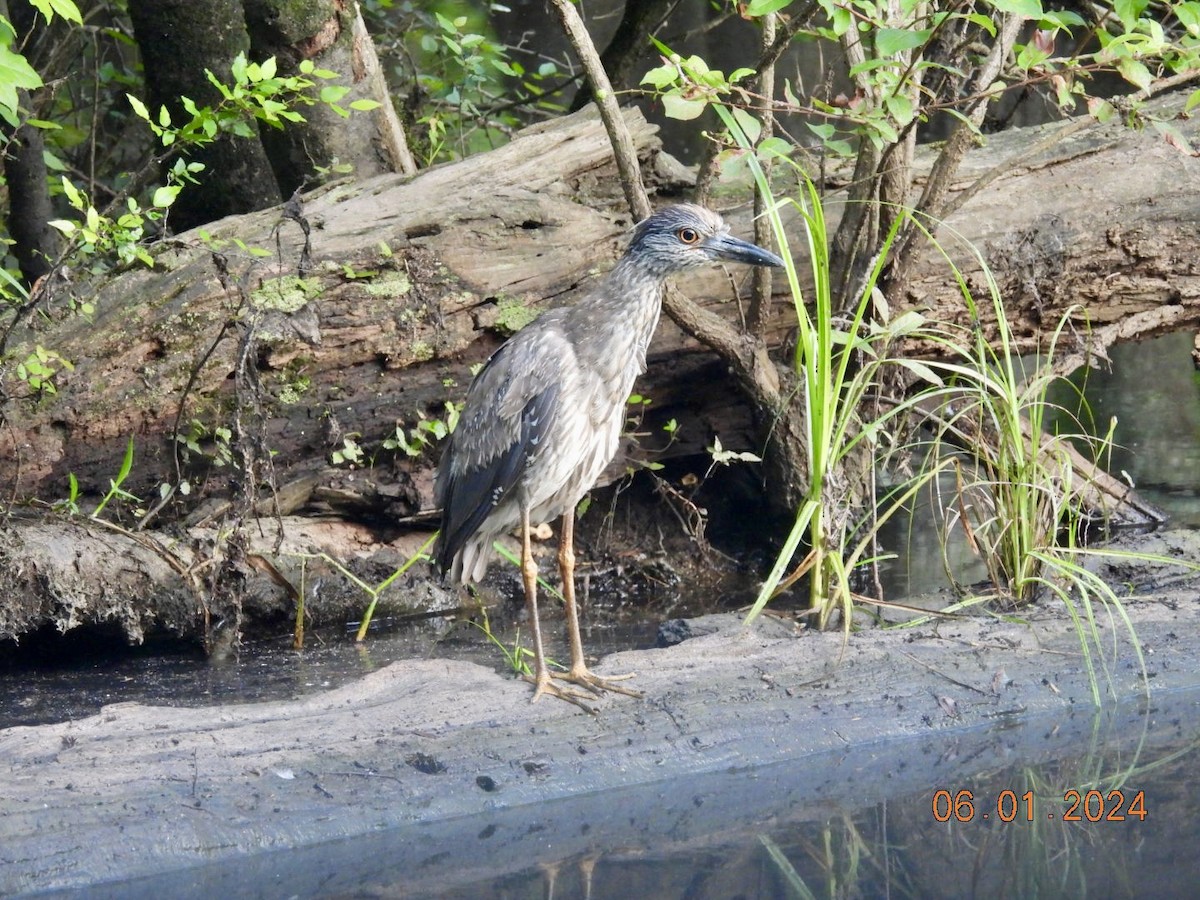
[
  {"x": 517, "y": 657},
  {"x": 840, "y": 360},
  {"x": 1016, "y": 495}
]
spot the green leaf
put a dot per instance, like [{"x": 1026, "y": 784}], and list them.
[
  {"x": 1101, "y": 110},
  {"x": 1061, "y": 18},
  {"x": 332, "y": 93},
  {"x": 73, "y": 195},
  {"x": 1174, "y": 137},
  {"x": 775, "y": 147},
  {"x": 1031, "y": 55},
  {"x": 982, "y": 21},
  {"x": 1135, "y": 73},
  {"x": 165, "y": 195},
  {"x": 749, "y": 125},
  {"x": 676, "y": 106},
  {"x": 15, "y": 74},
  {"x": 365, "y": 105},
  {"x": 890, "y": 41},
  {"x": 899, "y": 108},
  {"x": 1129, "y": 11},
  {"x": 765, "y": 7},
  {"x": 842, "y": 20},
  {"x": 139, "y": 108},
  {"x": 1030, "y": 9},
  {"x": 661, "y": 76},
  {"x": 64, "y": 8}
]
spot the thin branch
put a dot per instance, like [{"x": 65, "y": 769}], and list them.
[{"x": 610, "y": 113}]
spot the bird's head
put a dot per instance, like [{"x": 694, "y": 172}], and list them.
[{"x": 686, "y": 236}]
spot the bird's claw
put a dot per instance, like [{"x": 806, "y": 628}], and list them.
[
  {"x": 594, "y": 683},
  {"x": 545, "y": 685}
]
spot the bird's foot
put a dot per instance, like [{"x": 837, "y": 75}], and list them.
[
  {"x": 583, "y": 677},
  {"x": 544, "y": 686}
]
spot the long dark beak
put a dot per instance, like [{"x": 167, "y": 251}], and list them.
[{"x": 726, "y": 246}]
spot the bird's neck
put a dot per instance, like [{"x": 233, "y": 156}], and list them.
[{"x": 616, "y": 321}]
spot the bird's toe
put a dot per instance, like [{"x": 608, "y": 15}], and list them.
[
  {"x": 585, "y": 678},
  {"x": 545, "y": 686}
]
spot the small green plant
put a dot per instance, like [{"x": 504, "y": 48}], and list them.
[
  {"x": 723, "y": 457},
  {"x": 70, "y": 503},
  {"x": 463, "y": 71},
  {"x": 212, "y": 444},
  {"x": 256, "y": 95},
  {"x": 98, "y": 236},
  {"x": 517, "y": 657},
  {"x": 426, "y": 433},
  {"x": 1017, "y": 498},
  {"x": 114, "y": 486},
  {"x": 373, "y": 591},
  {"x": 39, "y": 369},
  {"x": 350, "y": 453}
]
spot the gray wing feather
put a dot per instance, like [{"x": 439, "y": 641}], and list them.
[{"x": 511, "y": 407}]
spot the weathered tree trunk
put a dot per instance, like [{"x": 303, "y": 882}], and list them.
[
  {"x": 426, "y": 277},
  {"x": 35, "y": 244},
  {"x": 178, "y": 40}
]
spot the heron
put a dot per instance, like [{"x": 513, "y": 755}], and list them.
[{"x": 543, "y": 417}]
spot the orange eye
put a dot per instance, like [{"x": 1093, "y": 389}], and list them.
[{"x": 688, "y": 235}]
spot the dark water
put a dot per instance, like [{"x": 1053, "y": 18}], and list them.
[{"x": 1153, "y": 393}]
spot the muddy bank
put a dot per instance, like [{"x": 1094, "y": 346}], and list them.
[{"x": 433, "y": 745}]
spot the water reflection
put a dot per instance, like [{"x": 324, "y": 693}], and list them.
[
  {"x": 1110, "y": 823},
  {"x": 858, "y": 823},
  {"x": 1152, "y": 390}
]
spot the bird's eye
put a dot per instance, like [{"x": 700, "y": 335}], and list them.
[{"x": 689, "y": 235}]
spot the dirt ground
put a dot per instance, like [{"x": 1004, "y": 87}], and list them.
[{"x": 140, "y": 792}]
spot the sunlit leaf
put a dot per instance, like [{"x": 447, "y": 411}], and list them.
[
  {"x": 1129, "y": 11},
  {"x": 1030, "y": 9},
  {"x": 676, "y": 106},
  {"x": 890, "y": 41},
  {"x": 765, "y": 7},
  {"x": 139, "y": 108},
  {"x": 1135, "y": 73},
  {"x": 750, "y": 126},
  {"x": 64, "y": 8}
]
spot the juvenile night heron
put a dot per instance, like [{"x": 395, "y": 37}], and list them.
[{"x": 543, "y": 417}]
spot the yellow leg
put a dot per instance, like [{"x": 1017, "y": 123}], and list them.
[
  {"x": 579, "y": 673},
  {"x": 541, "y": 673}
]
